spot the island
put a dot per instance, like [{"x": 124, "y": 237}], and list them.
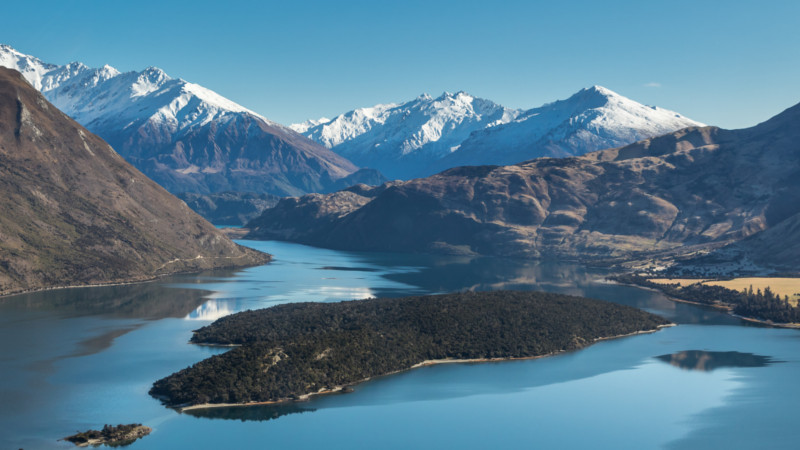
[
  {"x": 113, "y": 436},
  {"x": 292, "y": 351}
]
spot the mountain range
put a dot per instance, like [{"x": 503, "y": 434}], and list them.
[
  {"x": 186, "y": 137},
  {"x": 190, "y": 139},
  {"x": 73, "y": 212},
  {"x": 427, "y": 135},
  {"x": 694, "y": 190}
]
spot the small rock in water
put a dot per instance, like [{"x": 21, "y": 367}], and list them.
[{"x": 110, "y": 435}]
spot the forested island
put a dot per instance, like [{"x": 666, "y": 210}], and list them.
[
  {"x": 761, "y": 306},
  {"x": 288, "y": 352}
]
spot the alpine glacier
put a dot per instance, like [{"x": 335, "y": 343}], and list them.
[
  {"x": 182, "y": 135},
  {"x": 426, "y": 135}
]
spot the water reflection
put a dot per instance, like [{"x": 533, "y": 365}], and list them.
[
  {"x": 350, "y": 269},
  {"x": 448, "y": 382},
  {"x": 294, "y": 276},
  {"x": 708, "y": 361},
  {"x": 150, "y": 301},
  {"x": 71, "y": 361},
  {"x": 211, "y": 310},
  {"x": 257, "y": 413}
]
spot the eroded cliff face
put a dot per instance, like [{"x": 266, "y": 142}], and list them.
[
  {"x": 73, "y": 212},
  {"x": 697, "y": 188}
]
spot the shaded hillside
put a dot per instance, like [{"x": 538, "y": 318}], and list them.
[
  {"x": 229, "y": 208},
  {"x": 291, "y": 350},
  {"x": 774, "y": 249},
  {"x": 73, "y": 212},
  {"x": 692, "y": 189},
  {"x": 234, "y": 152}
]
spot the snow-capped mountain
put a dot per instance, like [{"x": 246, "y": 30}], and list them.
[
  {"x": 592, "y": 119},
  {"x": 425, "y": 135},
  {"x": 401, "y": 139},
  {"x": 310, "y": 123},
  {"x": 182, "y": 135}
]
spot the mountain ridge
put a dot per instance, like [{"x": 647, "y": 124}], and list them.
[
  {"x": 400, "y": 138},
  {"x": 427, "y": 135},
  {"x": 182, "y": 135}
]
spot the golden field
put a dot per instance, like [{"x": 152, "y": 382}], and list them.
[{"x": 782, "y": 286}]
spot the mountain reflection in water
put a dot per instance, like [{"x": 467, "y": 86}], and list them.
[{"x": 708, "y": 361}]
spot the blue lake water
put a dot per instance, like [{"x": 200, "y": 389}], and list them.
[{"x": 76, "y": 359}]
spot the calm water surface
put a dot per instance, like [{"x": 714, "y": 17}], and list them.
[{"x": 76, "y": 359}]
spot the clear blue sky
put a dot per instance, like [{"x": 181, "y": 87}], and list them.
[{"x": 727, "y": 63}]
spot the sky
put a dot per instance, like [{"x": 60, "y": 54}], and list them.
[{"x": 727, "y": 63}]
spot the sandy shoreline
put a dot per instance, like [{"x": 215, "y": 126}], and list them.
[{"x": 431, "y": 362}]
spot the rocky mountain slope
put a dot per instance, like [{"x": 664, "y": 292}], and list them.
[
  {"x": 427, "y": 135},
  {"x": 697, "y": 188},
  {"x": 73, "y": 212},
  {"x": 182, "y": 135}
]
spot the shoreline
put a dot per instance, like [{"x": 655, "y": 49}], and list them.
[
  {"x": 426, "y": 363},
  {"x": 722, "y": 307},
  {"x": 204, "y": 344},
  {"x": 111, "y": 283}
]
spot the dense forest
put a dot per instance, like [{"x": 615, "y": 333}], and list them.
[
  {"x": 762, "y": 305},
  {"x": 294, "y": 349}
]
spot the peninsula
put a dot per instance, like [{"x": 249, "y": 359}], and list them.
[{"x": 292, "y": 351}]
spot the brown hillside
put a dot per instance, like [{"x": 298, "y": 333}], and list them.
[{"x": 73, "y": 212}]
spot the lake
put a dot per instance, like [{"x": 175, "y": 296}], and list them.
[{"x": 75, "y": 359}]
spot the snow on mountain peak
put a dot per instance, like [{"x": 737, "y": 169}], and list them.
[
  {"x": 424, "y": 135},
  {"x": 592, "y": 119},
  {"x": 30, "y": 67},
  {"x": 601, "y": 90},
  {"x": 148, "y": 81},
  {"x": 422, "y": 126},
  {"x": 310, "y": 123},
  {"x": 184, "y": 136},
  {"x": 89, "y": 94}
]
